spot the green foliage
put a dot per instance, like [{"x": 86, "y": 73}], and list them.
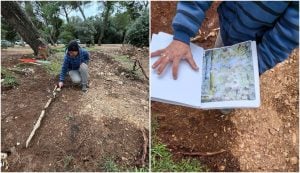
[
  {"x": 110, "y": 165},
  {"x": 8, "y": 32},
  {"x": 162, "y": 161},
  {"x": 54, "y": 67},
  {"x": 85, "y": 31},
  {"x": 67, "y": 33},
  {"x": 9, "y": 79},
  {"x": 138, "y": 32},
  {"x": 67, "y": 161}
]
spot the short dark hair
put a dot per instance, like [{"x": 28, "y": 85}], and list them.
[{"x": 73, "y": 46}]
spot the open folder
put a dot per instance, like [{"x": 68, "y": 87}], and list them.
[{"x": 227, "y": 77}]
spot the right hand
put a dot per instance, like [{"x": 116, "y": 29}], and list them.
[
  {"x": 176, "y": 51},
  {"x": 60, "y": 84}
]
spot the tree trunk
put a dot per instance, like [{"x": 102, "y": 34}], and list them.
[
  {"x": 108, "y": 6},
  {"x": 81, "y": 10},
  {"x": 67, "y": 16},
  {"x": 16, "y": 17}
]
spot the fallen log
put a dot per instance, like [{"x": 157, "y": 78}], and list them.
[
  {"x": 38, "y": 123},
  {"x": 36, "y": 126}
]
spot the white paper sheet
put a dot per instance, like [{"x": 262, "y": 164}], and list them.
[{"x": 186, "y": 90}]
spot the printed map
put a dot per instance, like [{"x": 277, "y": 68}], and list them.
[{"x": 228, "y": 74}]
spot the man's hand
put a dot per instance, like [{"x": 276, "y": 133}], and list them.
[
  {"x": 176, "y": 51},
  {"x": 60, "y": 84}
]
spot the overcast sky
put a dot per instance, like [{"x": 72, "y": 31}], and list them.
[{"x": 91, "y": 9}]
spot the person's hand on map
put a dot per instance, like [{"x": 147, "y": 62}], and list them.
[{"x": 174, "y": 53}]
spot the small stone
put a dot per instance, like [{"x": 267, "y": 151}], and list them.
[
  {"x": 272, "y": 131},
  {"x": 122, "y": 74},
  {"x": 257, "y": 156},
  {"x": 293, "y": 160},
  {"x": 120, "y": 82},
  {"x": 222, "y": 168},
  {"x": 58, "y": 89},
  {"x": 3, "y": 156},
  {"x": 144, "y": 102},
  {"x": 215, "y": 134},
  {"x": 124, "y": 158},
  {"x": 89, "y": 106},
  {"x": 18, "y": 143},
  {"x": 16, "y": 117},
  {"x": 242, "y": 145},
  {"x": 21, "y": 105}
]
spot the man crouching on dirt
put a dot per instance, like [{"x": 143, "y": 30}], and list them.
[{"x": 75, "y": 63}]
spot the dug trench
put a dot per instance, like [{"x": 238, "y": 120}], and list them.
[{"x": 80, "y": 131}]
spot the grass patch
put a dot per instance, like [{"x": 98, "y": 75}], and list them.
[
  {"x": 110, "y": 165},
  {"x": 67, "y": 161},
  {"x": 128, "y": 64},
  {"x": 54, "y": 67},
  {"x": 93, "y": 48},
  {"x": 9, "y": 79},
  {"x": 122, "y": 59},
  {"x": 161, "y": 157},
  {"x": 162, "y": 161}
]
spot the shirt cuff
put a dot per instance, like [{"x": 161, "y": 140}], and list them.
[{"x": 182, "y": 36}]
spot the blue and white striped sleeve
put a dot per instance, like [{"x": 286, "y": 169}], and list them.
[
  {"x": 188, "y": 19},
  {"x": 280, "y": 41}
]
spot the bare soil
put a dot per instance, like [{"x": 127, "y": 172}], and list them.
[
  {"x": 263, "y": 139},
  {"x": 80, "y": 131}
]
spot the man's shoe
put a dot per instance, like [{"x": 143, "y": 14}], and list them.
[{"x": 84, "y": 88}]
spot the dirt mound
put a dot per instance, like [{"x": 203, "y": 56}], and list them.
[{"x": 114, "y": 94}]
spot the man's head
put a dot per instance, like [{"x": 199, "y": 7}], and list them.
[{"x": 73, "y": 48}]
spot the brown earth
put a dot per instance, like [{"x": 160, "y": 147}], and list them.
[
  {"x": 80, "y": 131},
  {"x": 263, "y": 139}
]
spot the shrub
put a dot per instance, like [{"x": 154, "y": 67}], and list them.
[{"x": 138, "y": 33}]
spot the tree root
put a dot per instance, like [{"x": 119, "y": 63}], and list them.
[{"x": 202, "y": 153}]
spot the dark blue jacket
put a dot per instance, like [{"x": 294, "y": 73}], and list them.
[
  {"x": 73, "y": 63},
  {"x": 273, "y": 25}
]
